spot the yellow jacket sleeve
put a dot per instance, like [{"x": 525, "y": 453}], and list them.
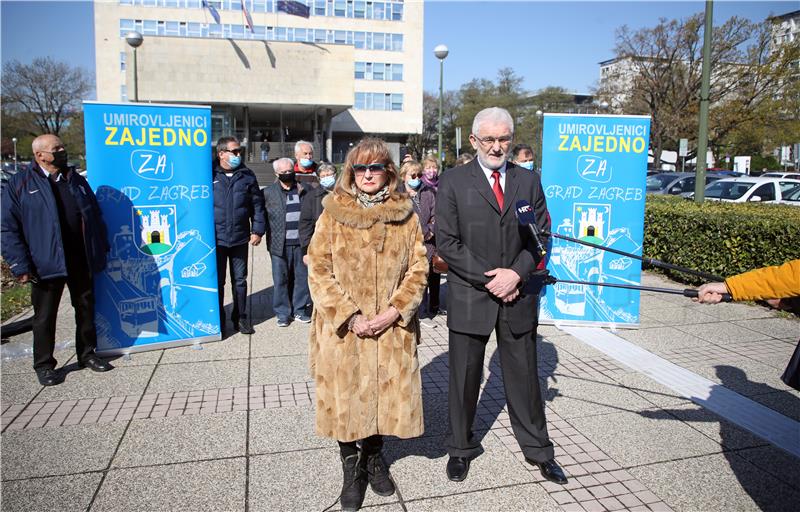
[{"x": 778, "y": 282}]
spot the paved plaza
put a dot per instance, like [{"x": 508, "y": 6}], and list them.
[{"x": 229, "y": 426}]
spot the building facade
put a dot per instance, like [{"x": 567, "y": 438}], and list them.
[{"x": 352, "y": 67}]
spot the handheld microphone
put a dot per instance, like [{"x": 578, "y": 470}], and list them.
[{"x": 526, "y": 217}]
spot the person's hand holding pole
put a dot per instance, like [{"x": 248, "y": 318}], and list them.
[{"x": 711, "y": 293}]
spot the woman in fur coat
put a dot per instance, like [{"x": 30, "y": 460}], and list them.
[{"x": 367, "y": 270}]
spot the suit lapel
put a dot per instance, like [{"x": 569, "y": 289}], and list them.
[
  {"x": 481, "y": 184},
  {"x": 510, "y": 192}
]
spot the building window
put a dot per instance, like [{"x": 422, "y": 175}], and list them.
[
  {"x": 378, "y": 101},
  {"x": 397, "y": 72},
  {"x": 122, "y": 60},
  {"x": 123, "y": 92},
  {"x": 360, "y": 70}
]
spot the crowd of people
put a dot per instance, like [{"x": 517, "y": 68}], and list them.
[{"x": 359, "y": 256}]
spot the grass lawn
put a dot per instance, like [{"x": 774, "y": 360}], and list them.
[{"x": 15, "y": 299}]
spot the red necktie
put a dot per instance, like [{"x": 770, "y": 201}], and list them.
[{"x": 497, "y": 189}]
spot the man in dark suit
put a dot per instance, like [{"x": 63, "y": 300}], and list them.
[{"x": 492, "y": 259}]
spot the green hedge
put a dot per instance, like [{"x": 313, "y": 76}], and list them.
[{"x": 720, "y": 238}]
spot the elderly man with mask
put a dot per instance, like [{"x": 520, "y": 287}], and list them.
[
  {"x": 305, "y": 168},
  {"x": 284, "y": 200},
  {"x": 492, "y": 287},
  {"x": 53, "y": 235}
]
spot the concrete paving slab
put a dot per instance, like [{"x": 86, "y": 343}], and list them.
[
  {"x": 19, "y": 388},
  {"x": 661, "y": 339},
  {"x": 748, "y": 378},
  {"x": 567, "y": 347},
  {"x": 435, "y": 414},
  {"x": 149, "y": 358},
  {"x": 655, "y": 393},
  {"x": 786, "y": 402},
  {"x": 290, "y": 342},
  {"x": 182, "y": 439},
  {"x": 88, "y": 384},
  {"x": 735, "y": 311},
  {"x": 205, "y": 375},
  {"x": 780, "y": 328},
  {"x": 676, "y": 316},
  {"x": 275, "y": 481},
  {"x": 572, "y": 397},
  {"x": 722, "y": 332},
  {"x": 210, "y": 485},
  {"x": 776, "y": 462},
  {"x": 24, "y": 364},
  {"x": 285, "y": 429},
  {"x": 62, "y": 493},
  {"x": 715, "y": 427},
  {"x": 276, "y": 370},
  {"x": 644, "y": 438},
  {"x": 718, "y": 482},
  {"x": 235, "y": 347},
  {"x": 418, "y": 465},
  {"x": 52, "y": 451},
  {"x": 516, "y": 497},
  {"x": 652, "y": 304}
]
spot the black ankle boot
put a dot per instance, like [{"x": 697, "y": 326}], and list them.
[
  {"x": 354, "y": 485},
  {"x": 378, "y": 475}
]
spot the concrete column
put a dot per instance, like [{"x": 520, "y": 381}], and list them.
[
  {"x": 328, "y": 135},
  {"x": 247, "y": 133}
]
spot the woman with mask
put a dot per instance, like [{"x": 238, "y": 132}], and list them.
[
  {"x": 430, "y": 184},
  {"x": 312, "y": 206},
  {"x": 367, "y": 272}
]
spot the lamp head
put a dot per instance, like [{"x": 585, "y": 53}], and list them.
[
  {"x": 134, "y": 39},
  {"x": 441, "y": 52}
]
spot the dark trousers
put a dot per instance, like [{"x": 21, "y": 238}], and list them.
[
  {"x": 370, "y": 445},
  {"x": 45, "y": 297},
  {"x": 521, "y": 383},
  {"x": 434, "y": 283},
  {"x": 290, "y": 294},
  {"x": 236, "y": 259}
]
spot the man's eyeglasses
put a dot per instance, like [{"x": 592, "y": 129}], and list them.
[
  {"x": 236, "y": 151},
  {"x": 489, "y": 141},
  {"x": 373, "y": 168}
]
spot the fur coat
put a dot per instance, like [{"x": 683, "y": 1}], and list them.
[{"x": 364, "y": 260}]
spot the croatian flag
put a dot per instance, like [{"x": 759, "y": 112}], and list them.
[
  {"x": 213, "y": 11},
  {"x": 294, "y": 8},
  {"x": 247, "y": 18}
]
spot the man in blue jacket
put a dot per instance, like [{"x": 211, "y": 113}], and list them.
[
  {"x": 239, "y": 218},
  {"x": 53, "y": 235}
]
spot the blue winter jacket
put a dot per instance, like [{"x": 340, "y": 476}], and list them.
[
  {"x": 238, "y": 207},
  {"x": 31, "y": 230}
]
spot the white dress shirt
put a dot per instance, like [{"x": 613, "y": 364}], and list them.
[{"x": 488, "y": 173}]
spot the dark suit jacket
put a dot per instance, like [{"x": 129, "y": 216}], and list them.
[{"x": 473, "y": 236}]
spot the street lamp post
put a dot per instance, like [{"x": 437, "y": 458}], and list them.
[
  {"x": 441, "y": 52},
  {"x": 135, "y": 40},
  {"x": 14, "y": 140},
  {"x": 539, "y": 114}
]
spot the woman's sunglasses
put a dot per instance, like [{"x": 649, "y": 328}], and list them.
[{"x": 373, "y": 168}]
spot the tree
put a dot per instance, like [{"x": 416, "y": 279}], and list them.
[
  {"x": 43, "y": 95},
  {"x": 658, "y": 72}
]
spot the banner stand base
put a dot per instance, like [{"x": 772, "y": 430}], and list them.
[{"x": 157, "y": 346}]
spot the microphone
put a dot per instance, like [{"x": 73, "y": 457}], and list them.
[{"x": 526, "y": 217}]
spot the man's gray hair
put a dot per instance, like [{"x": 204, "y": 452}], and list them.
[
  {"x": 494, "y": 115},
  {"x": 281, "y": 162},
  {"x": 300, "y": 143}
]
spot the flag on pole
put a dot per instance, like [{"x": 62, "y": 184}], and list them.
[
  {"x": 212, "y": 10},
  {"x": 247, "y": 18},
  {"x": 294, "y": 8}
]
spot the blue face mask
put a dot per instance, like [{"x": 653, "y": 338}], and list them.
[
  {"x": 414, "y": 183},
  {"x": 527, "y": 165},
  {"x": 327, "y": 182},
  {"x": 234, "y": 161},
  {"x": 306, "y": 163}
]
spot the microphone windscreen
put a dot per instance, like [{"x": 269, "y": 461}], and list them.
[{"x": 525, "y": 213}]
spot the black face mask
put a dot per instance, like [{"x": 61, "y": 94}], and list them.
[
  {"x": 60, "y": 159},
  {"x": 286, "y": 177}
]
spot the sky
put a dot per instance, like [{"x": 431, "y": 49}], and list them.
[{"x": 546, "y": 43}]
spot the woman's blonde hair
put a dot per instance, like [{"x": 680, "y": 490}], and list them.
[
  {"x": 369, "y": 150},
  {"x": 430, "y": 159},
  {"x": 407, "y": 167}
]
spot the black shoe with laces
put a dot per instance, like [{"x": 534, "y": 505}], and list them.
[
  {"x": 354, "y": 486},
  {"x": 378, "y": 475}
]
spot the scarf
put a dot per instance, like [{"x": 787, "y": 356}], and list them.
[
  {"x": 368, "y": 201},
  {"x": 430, "y": 183}
]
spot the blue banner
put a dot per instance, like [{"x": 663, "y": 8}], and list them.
[
  {"x": 594, "y": 170},
  {"x": 150, "y": 167}
]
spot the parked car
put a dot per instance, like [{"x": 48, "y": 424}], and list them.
[
  {"x": 781, "y": 174},
  {"x": 749, "y": 189},
  {"x": 675, "y": 183},
  {"x": 791, "y": 196}
]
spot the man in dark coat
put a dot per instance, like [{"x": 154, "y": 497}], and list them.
[
  {"x": 239, "y": 218},
  {"x": 491, "y": 262},
  {"x": 284, "y": 198},
  {"x": 53, "y": 235},
  {"x": 312, "y": 205}
]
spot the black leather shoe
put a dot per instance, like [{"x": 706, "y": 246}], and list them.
[
  {"x": 245, "y": 327},
  {"x": 550, "y": 470},
  {"x": 95, "y": 364},
  {"x": 49, "y": 377},
  {"x": 457, "y": 468}
]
